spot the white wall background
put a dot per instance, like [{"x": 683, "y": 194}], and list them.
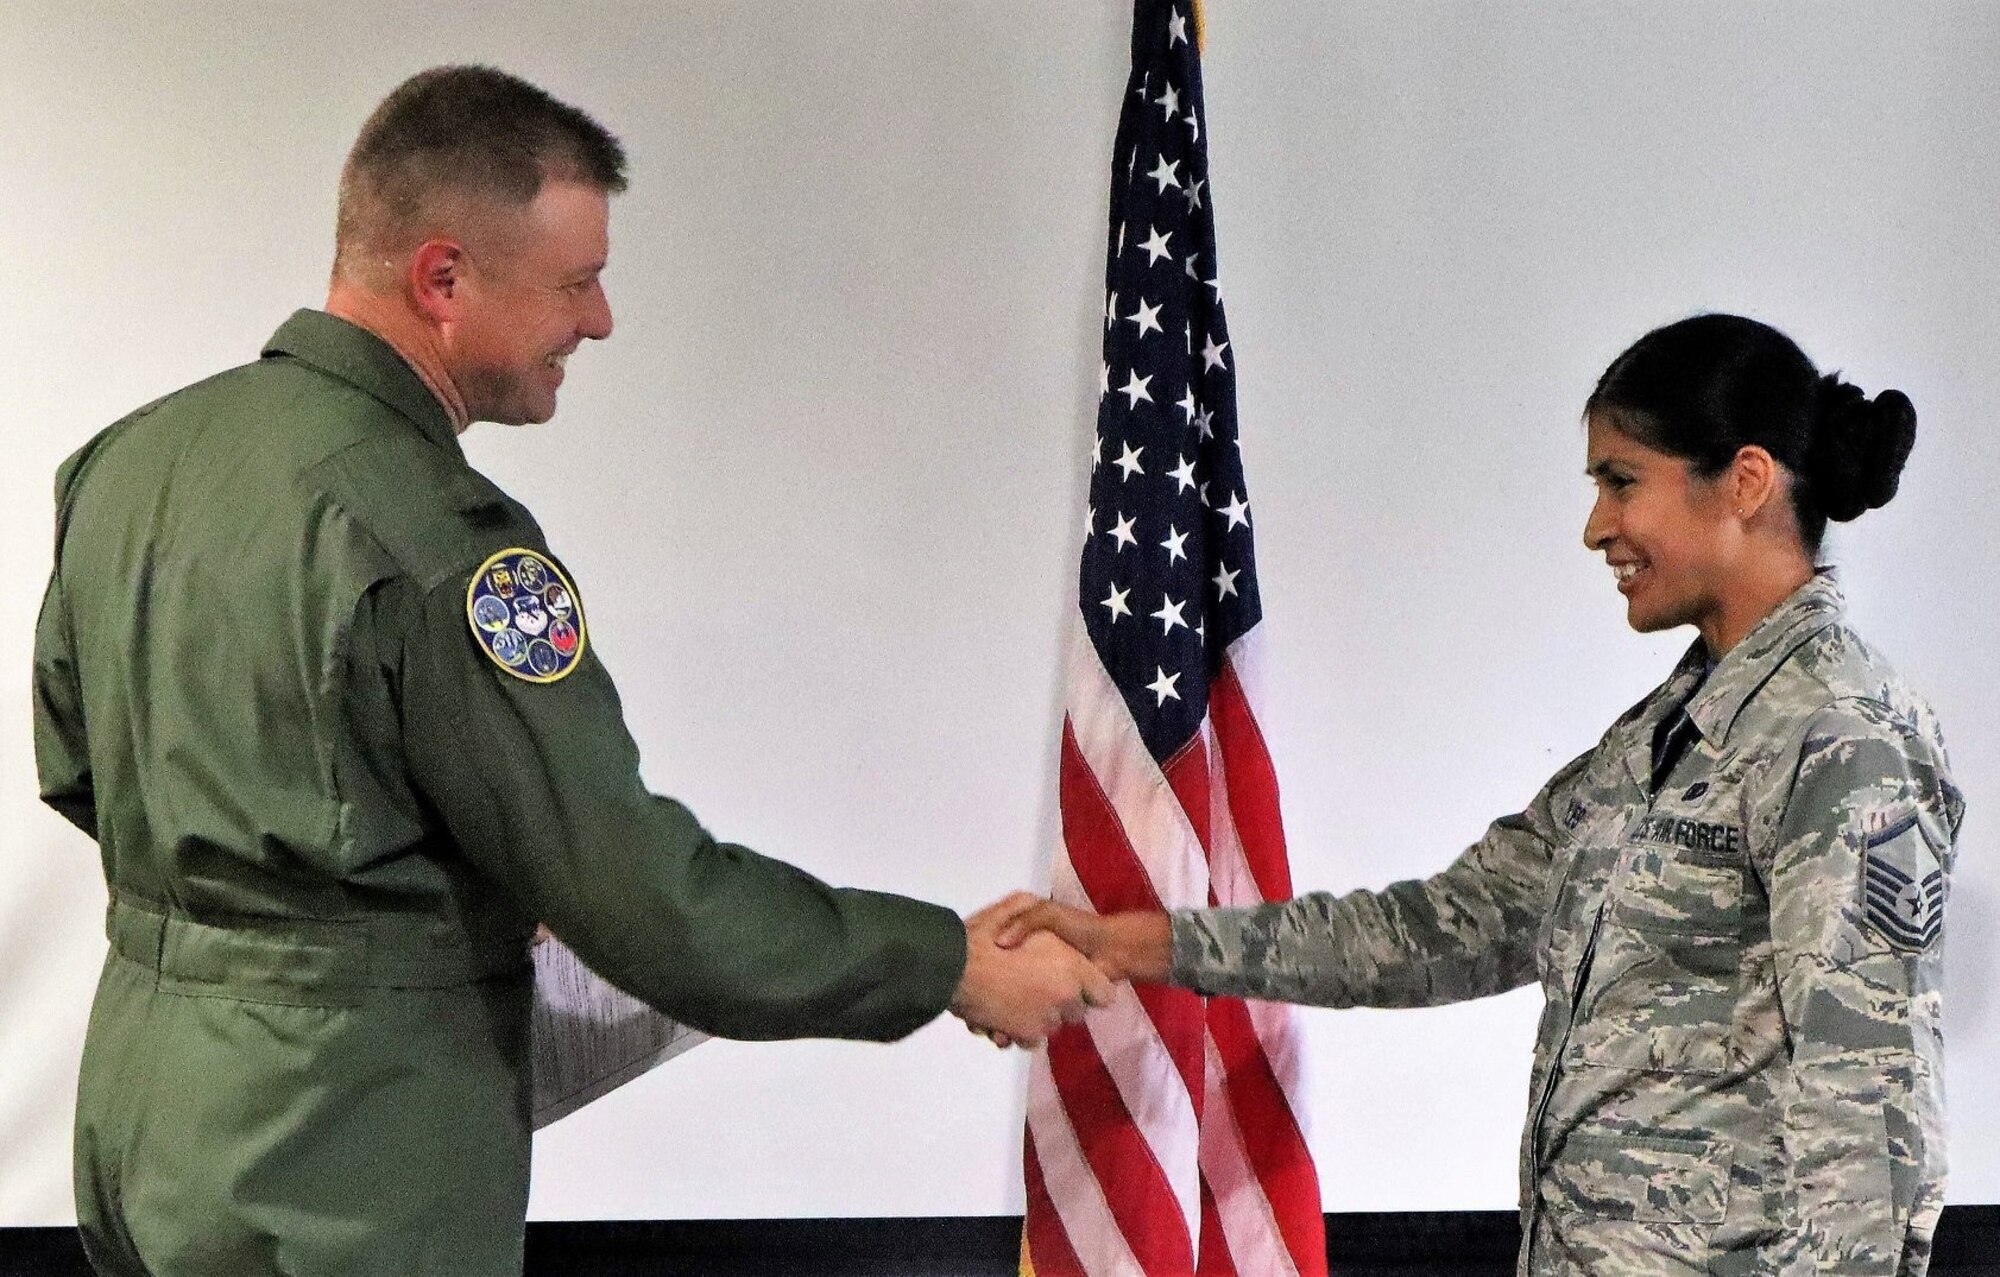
[{"x": 821, "y": 487}]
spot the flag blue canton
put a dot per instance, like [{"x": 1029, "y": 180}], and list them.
[{"x": 1168, "y": 578}]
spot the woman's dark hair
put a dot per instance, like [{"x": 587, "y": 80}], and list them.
[{"x": 1705, "y": 387}]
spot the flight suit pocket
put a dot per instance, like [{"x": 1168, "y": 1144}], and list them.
[{"x": 1642, "y": 1178}]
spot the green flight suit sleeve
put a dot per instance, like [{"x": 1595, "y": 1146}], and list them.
[
  {"x": 1467, "y": 932},
  {"x": 540, "y": 786},
  {"x": 62, "y": 750},
  {"x": 1856, "y": 875}
]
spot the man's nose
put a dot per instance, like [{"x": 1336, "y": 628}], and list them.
[{"x": 596, "y": 323}]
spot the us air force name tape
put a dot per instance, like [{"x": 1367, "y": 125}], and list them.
[
  {"x": 526, "y": 616},
  {"x": 1689, "y": 835}
]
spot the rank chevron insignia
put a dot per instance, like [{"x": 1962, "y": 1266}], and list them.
[{"x": 1904, "y": 901}]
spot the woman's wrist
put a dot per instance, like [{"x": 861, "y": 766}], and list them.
[{"x": 1139, "y": 947}]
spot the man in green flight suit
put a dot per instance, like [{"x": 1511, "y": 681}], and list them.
[{"x": 326, "y": 700}]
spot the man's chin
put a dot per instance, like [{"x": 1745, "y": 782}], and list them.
[{"x": 519, "y": 416}]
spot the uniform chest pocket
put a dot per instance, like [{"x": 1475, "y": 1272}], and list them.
[{"x": 1683, "y": 877}]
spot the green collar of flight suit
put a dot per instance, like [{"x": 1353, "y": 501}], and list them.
[
  {"x": 363, "y": 360},
  {"x": 1749, "y": 665}
]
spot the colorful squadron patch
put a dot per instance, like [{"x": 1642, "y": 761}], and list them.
[{"x": 526, "y": 616}]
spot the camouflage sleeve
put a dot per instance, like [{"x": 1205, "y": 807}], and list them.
[
  {"x": 1856, "y": 873},
  {"x": 1467, "y": 932}
]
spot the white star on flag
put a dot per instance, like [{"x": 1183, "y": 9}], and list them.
[
  {"x": 1129, "y": 461},
  {"x": 1211, "y": 354},
  {"x": 1121, "y": 532},
  {"x": 1147, "y": 317},
  {"x": 1116, "y": 602},
  {"x": 1135, "y": 388}
]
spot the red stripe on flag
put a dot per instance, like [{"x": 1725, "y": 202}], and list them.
[
  {"x": 1141, "y": 1200},
  {"x": 1048, "y": 1243},
  {"x": 1099, "y": 851},
  {"x": 1215, "y": 1260},
  {"x": 1187, "y": 773},
  {"x": 1253, "y": 785},
  {"x": 1113, "y": 879},
  {"x": 1270, "y": 1136}
]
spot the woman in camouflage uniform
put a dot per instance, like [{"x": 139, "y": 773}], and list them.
[{"x": 1733, "y": 903}]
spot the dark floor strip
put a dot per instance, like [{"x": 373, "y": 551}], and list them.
[{"x": 1392, "y": 1244}]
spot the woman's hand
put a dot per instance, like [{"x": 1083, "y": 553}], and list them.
[{"x": 1136, "y": 946}]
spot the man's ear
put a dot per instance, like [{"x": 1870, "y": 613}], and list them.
[{"x": 436, "y": 279}]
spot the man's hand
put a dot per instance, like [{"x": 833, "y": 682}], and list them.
[
  {"x": 1125, "y": 946},
  {"x": 1025, "y": 992}
]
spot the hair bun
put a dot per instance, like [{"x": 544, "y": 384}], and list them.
[{"x": 1858, "y": 447}]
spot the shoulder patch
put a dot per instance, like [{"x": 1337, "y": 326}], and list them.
[
  {"x": 526, "y": 616},
  {"x": 1902, "y": 889}
]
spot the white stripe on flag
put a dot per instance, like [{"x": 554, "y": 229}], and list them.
[
  {"x": 1129, "y": 1046},
  {"x": 1277, "y": 1027},
  {"x": 1156, "y": 826},
  {"x": 1249, "y": 1226},
  {"x": 1087, "y": 1221}
]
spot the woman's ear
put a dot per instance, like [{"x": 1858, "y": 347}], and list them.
[{"x": 1753, "y": 481}]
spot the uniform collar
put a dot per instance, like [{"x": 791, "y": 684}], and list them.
[
  {"x": 1746, "y": 667},
  {"x": 366, "y": 362}
]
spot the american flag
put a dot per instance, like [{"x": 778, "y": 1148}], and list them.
[{"x": 1163, "y": 1135}]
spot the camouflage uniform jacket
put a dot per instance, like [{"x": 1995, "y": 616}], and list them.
[{"x": 1737, "y": 1068}]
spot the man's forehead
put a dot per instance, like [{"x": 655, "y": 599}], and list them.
[
  {"x": 565, "y": 227},
  {"x": 571, "y": 211}
]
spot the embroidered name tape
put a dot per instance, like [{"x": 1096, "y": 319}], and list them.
[{"x": 526, "y": 616}]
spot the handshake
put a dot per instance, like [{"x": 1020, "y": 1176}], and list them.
[{"x": 1033, "y": 965}]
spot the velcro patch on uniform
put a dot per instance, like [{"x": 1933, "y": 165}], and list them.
[
  {"x": 1902, "y": 886},
  {"x": 1700, "y": 836},
  {"x": 526, "y": 616}
]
